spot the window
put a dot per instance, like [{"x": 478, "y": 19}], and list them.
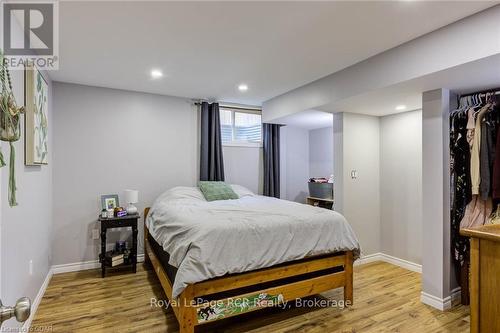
[{"x": 241, "y": 127}]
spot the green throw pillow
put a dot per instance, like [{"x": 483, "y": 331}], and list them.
[{"x": 217, "y": 191}]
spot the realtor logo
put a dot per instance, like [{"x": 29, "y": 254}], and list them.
[{"x": 30, "y": 33}]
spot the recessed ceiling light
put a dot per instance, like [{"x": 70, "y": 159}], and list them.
[
  {"x": 156, "y": 73},
  {"x": 242, "y": 87},
  {"x": 400, "y": 107}
]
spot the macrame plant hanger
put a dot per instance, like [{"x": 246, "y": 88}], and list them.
[{"x": 10, "y": 125}]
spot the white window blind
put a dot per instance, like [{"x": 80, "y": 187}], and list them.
[{"x": 240, "y": 127}]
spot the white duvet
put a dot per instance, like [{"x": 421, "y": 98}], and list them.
[{"x": 210, "y": 239}]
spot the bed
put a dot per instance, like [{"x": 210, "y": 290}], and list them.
[{"x": 222, "y": 258}]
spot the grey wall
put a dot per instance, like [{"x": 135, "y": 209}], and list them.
[
  {"x": 26, "y": 230},
  {"x": 437, "y": 278},
  {"x": 401, "y": 185},
  {"x": 109, "y": 140},
  {"x": 479, "y": 32},
  {"x": 106, "y": 141},
  {"x": 338, "y": 161},
  {"x": 304, "y": 154},
  {"x": 356, "y": 141},
  {"x": 294, "y": 158},
  {"x": 244, "y": 166},
  {"x": 321, "y": 152}
]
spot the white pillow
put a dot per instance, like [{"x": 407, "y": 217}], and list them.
[{"x": 242, "y": 191}]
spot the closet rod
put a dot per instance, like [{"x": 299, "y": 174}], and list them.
[{"x": 495, "y": 90}]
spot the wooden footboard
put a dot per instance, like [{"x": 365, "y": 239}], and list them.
[{"x": 234, "y": 294}]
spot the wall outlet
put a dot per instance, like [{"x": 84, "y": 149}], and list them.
[
  {"x": 31, "y": 267},
  {"x": 95, "y": 233}
]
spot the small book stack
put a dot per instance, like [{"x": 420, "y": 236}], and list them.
[{"x": 114, "y": 259}]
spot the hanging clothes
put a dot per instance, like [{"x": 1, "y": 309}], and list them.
[
  {"x": 474, "y": 170},
  {"x": 461, "y": 183},
  {"x": 489, "y": 127},
  {"x": 476, "y": 144},
  {"x": 477, "y": 212},
  {"x": 471, "y": 126},
  {"x": 496, "y": 169}
]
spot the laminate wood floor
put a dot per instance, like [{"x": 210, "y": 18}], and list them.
[{"x": 386, "y": 299}]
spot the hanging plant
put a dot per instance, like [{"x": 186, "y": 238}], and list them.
[{"x": 10, "y": 125}]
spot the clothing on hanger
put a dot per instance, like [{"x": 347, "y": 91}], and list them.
[
  {"x": 475, "y": 161},
  {"x": 477, "y": 213},
  {"x": 487, "y": 152},
  {"x": 471, "y": 126},
  {"x": 461, "y": 183},
  {"x": 474, "y": 168},
  {"x": 495, "y": 217},
  {"x": 496, "y": 169}
]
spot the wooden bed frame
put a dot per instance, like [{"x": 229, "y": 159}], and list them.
[{"x": 309, "y": 277}]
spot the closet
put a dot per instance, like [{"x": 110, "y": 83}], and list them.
[{"x": 475, "y": 173}]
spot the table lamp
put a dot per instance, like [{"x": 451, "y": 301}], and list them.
[{"x": 131, "y": 197}]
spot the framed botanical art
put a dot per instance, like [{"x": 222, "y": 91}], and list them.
[{"x": 35, "y": 120}]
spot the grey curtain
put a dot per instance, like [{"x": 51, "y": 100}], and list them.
[
  {"x": 271, "y": 133},
  {"x": 211, "y": 161}
]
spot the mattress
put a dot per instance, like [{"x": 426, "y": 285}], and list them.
[
  {"x": 211, "y": 239},
  {"x": 163, "y": 257}
]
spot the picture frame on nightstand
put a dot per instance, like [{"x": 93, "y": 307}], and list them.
[{"x": 109, "y": 201}]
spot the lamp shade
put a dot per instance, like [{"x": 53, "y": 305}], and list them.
[{"x": 131, "y": 196}]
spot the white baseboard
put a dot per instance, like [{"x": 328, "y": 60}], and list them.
[
  {"x": 389, "y": 259},
  {"x": 368, "y": 259},
  {"x": 82, "y": 266},
  {"x": 442, "y": 304},
  {"x": 456, "y": 294},
  {"x": 36, "y": 302},
  {"x": 402, "y": 263},
  {"x": 76, "y": 266}
]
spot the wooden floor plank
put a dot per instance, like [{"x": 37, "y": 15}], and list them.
[{"x": 386, "y": 299}]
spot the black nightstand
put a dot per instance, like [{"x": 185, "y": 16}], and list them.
[{"x": 119, "y": 222}]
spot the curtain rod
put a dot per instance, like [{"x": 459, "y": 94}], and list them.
[{"x": 238, "y": 107}]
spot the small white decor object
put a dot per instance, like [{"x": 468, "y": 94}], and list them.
[{"x": 131, "y": 197}]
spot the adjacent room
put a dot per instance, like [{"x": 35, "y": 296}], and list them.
[{"x": 250, "y": 166}]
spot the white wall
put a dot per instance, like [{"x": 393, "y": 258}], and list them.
[
  {"x": 106, "y": 141},
  {"x": 356, "y": 141},
  {"x": 26, "y": 230},
  {"x": 321, "y": 152},
  {"x": 294, "y": 158},
  {"x": 244, "y": 166},
  {"x": 401, "y": 185}
]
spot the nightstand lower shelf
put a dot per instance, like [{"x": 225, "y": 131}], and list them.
[{"x": 319, "y": 202}]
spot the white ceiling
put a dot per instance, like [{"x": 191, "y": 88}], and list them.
[
  {"x": 474, "y": 76},
  {"x": 309, "y": 119},
  {"x": 206, "y": 49}
]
